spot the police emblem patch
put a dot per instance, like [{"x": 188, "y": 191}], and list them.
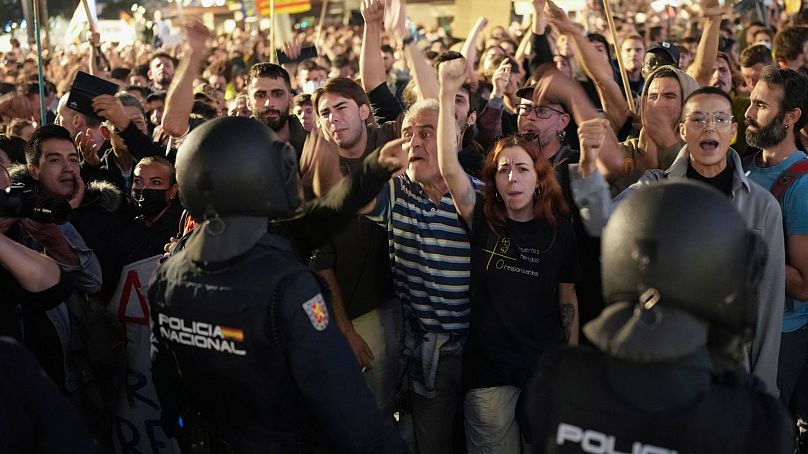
[{"x": 317, "y": 312}]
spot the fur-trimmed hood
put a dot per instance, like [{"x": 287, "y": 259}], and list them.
[{"x": 100, "y": 194}]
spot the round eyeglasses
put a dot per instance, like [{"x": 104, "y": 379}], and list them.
[{"x": 698, "y": 120}]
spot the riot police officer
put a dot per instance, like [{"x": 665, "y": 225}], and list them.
[
  {"x": 248, "y": 358},
  {"x": 679, "y": 269}
]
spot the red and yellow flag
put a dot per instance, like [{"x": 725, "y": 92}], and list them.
[{"x": 282, "y": 7}]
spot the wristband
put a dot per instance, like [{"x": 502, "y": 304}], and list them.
[{"x": 408, "y": 40}]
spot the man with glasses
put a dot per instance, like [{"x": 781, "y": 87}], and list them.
[
  {"x": 544, "y": 123},
  {"x": 707, "y": 127}
]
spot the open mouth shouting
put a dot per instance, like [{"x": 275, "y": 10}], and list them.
[
  {"x": 709, "y": 145},
  {"x": 416, "y": 156}
]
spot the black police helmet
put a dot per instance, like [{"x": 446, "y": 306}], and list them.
[
  {"x": 683, "y": 244},
  {"x": 236, "y": 166}
]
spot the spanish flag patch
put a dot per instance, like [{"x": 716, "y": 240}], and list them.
[{"x": 232, "y": 334}]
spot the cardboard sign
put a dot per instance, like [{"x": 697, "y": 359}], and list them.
[{"x": 137, "y": 428}]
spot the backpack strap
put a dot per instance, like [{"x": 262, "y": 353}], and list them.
[
  {"x": 787, "y": 178},
  {"x": 778, "y": 190}
]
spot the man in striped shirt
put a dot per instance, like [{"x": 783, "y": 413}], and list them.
[{"x": 429, "y": 254}]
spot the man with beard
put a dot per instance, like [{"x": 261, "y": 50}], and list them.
[
  {"x": 161, "y": 71},
  {"x": 777, "y": 113},
  {"x": 269, "y": 94},
  {"x": 707, "y": 126},
  {"x": 269, "y": 97}
]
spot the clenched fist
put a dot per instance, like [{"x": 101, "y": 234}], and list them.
[
  {"x": 591, "y": 134},
  {"x": 452, "y": 74}
]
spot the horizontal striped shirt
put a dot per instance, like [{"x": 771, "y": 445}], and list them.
[{"x": 429, "y": 255}]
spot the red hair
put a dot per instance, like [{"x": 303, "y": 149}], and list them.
[{"x": 550, "y": 202}]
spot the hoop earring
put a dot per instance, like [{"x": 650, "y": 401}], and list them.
[{"x": 536, "y": 193}]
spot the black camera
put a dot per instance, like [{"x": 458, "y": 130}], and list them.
[{"x": 18, "y": 201}]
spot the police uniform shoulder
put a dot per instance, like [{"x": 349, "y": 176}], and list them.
[{"x": 303, "y": 298}]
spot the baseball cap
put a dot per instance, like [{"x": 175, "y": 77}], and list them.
[
  {"x": 205, "y": 90},
  {"x": 527, "y": 90},
  {"x": 670, "y": 50}
]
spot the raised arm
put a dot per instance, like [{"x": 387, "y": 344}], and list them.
[
  {"x": 597, "y": 68},
  {"x": 539, "y": 25},
  {"x": 422, "y": 72},
  {"x": 371, "y": 66},
  {"x": 139, "y": 144},
  {"x": 95, "y": 54},
  {"x": 489, "y": 121},
  {"x": 469, "y": 49},
  {"x": 540, "y": 52},
  {"x": 707, "y": 50},
  {"x": 523, "y": 49},
  {"x": 292, "y": 49},
  {"x": 180, "y": 97},
  {"x": 452, "y": 75},
  {"x": 353, "y": 194},
  {"x": 553, "y": 84}
]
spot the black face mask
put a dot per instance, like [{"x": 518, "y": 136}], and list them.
[{"x": 149, "y": 202}]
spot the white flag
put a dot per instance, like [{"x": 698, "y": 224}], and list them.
[{"x": 78, "y": 23}]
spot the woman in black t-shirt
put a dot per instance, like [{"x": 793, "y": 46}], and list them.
[{"x": 523, "y": 269}]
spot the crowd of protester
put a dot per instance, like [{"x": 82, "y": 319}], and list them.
[{"x": 462, "y": 272}]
